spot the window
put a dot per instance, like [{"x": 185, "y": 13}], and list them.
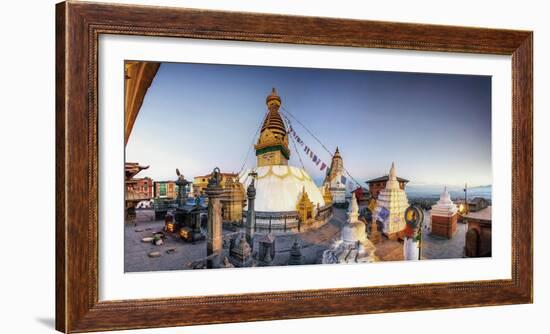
[{"x": 162, "y": 189}]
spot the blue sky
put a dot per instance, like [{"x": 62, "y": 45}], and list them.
[{"x": 436, "y": 127}]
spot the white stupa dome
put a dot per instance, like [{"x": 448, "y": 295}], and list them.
[
  {"x": 279, "y": 187},
  {"x": 445, "y": 206},
  {"x": 354, "y": 231}
]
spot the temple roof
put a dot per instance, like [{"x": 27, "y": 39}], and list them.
[
  {"x": 132, "y": 168},
  {"x": 386, "y": 178}
]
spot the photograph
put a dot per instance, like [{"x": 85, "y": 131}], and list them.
[
  {"x": 275, "y": 166},
  {"x": 238, "y": 166}
]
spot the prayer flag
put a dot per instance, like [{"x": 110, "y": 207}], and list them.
[
  {"x": 323, "y": 166},
  {"x": 344, "y": 179},
  {"x": 383, "y": 214}
]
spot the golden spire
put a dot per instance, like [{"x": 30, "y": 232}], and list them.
[
  {"x": 272, "y": 147},
  {"x": 273, "y": 120},
  {"x": 273, "y": 98}
]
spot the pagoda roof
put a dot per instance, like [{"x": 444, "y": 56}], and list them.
[
  {"x": 132, "y": 168},
  {"x": 386, "y": 178}
]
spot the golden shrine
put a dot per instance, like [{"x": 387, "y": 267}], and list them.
[{"x": 304, "y": 207}]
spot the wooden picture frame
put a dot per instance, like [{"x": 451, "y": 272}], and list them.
[{"x": 78, "y": 27}]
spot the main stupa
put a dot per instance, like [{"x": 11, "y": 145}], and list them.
[{"x": 287, "y": 199}]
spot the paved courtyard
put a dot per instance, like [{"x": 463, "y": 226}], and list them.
[{"x": 175, "y": 254}]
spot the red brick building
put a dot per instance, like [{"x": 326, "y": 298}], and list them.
[
  {"x": 379, "y": 183},
  {"x": 142, "y": 186},
  {"x": 478, "y": 237},
  {"x": 362, "y": 196},
  {"x": 135, "y": 193}
]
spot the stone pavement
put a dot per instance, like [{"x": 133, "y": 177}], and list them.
[
  {"x": 181, "y": 255},
  {"x": 136, "y": 252},
  {"x": 435, "y": 247}
]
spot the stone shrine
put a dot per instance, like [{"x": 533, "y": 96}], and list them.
[
  {"x": 240, "y": 252},
  {"x": 444, "y": 216},
  {"x": 266, "y": 249},
  {"x": 296, "y": 257}
]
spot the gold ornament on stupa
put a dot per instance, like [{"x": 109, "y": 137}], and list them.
[{"x": 327, "y": 195}]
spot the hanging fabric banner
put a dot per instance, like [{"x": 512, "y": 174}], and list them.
[{"x": 314, "y": 158}]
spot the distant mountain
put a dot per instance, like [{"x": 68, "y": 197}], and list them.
[{"x": 433, "y": 191}]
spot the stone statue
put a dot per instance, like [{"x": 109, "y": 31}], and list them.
[
  {"x": 182, "y": 187},
  {"x": 215, "y": 178}
]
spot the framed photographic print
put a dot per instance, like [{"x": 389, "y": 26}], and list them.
[{"x": 222, "y": 166}]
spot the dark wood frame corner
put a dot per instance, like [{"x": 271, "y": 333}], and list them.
[{"x": 78, "y": 26}]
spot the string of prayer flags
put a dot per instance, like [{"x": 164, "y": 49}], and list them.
[{"x": 314, "y": 158}]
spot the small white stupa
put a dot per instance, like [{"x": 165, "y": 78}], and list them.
[
  {"x": 391, "y": 205},
  {"x": 353, "y": 246},
  {"x": 355, "y": 230},
  {"x": 444, "y": 215}
]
